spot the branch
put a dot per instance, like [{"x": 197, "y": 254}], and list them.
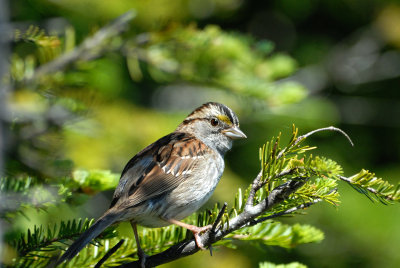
[
  {"x": 88, "y": 48},
  {"x": 109, "y": 253},
  {"x": 254, "y": 187},
  {"x": 286, "y": 212},
  {"x": 257, "y": 184},
  {"x": 249, "y": 214},
  {"x": 331, "y": 128},
  {"x": 219, "y": 217},
  {"x": 301, "y": 138}
]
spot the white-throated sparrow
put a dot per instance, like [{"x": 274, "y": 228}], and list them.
[{"x": 171, "y": 178}]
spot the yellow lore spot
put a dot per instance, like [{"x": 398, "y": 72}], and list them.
[{"x": 225, "y": 119}]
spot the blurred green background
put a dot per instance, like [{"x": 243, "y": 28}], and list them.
[{"x": 312, "y": 63}]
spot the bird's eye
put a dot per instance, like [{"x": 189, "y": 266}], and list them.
[{"x": 214, "y": 122}]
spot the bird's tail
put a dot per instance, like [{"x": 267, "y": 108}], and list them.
[{"x": 102, "y": 223}]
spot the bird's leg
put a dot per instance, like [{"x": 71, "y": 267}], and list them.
[
  {"x": 194, "y": 229},
  {"x": 141, "y": 254}
]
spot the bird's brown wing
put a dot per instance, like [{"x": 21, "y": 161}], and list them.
[{"x": 159, "y": 168}]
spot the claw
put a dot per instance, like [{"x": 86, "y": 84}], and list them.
[{"x": 196, "y": 233}]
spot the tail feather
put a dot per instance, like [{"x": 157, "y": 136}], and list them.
[{"x": 91, "y": 233}]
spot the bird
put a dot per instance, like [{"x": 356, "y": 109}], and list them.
[{"x": 171, "y": 178}]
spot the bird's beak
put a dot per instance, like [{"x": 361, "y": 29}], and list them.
[{"x": 234, "y": 133}]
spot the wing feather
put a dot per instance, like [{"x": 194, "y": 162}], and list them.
[{"x": 159, "y": 168}]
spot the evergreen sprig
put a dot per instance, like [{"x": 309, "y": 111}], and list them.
[
  {"x": 36, "y": 35},
  {"x": 44, "y": 238},
  {"x": 49, "y": 47},
  {"x": 41, "y": 240},
  {"x": 274, "y": 233},
  {"x": 376, "y": 189},
  {"x": 217, "y": 58},
  {"x": 281, "y": 165},
  {"x": 15, "y": 185},
  {"x": 26, "y": 192}
]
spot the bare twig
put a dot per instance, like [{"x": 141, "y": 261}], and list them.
[
  {"x": 299, "y": 139},
  {"x": 331, "y": 128},
  {"x": 215, "y": 224},
  {"x": 219, "y": 217},
  {"x": 109, "y": 253}
]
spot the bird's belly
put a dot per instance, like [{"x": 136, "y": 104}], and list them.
[{"x": 184, "y": 200}]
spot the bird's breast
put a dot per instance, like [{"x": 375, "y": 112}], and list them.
[{"x": 195, "y": 190}]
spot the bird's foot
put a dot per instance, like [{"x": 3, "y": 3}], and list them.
[
  {"x": 194, "y": 229},
  {"x": 196, "y": 233}
]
